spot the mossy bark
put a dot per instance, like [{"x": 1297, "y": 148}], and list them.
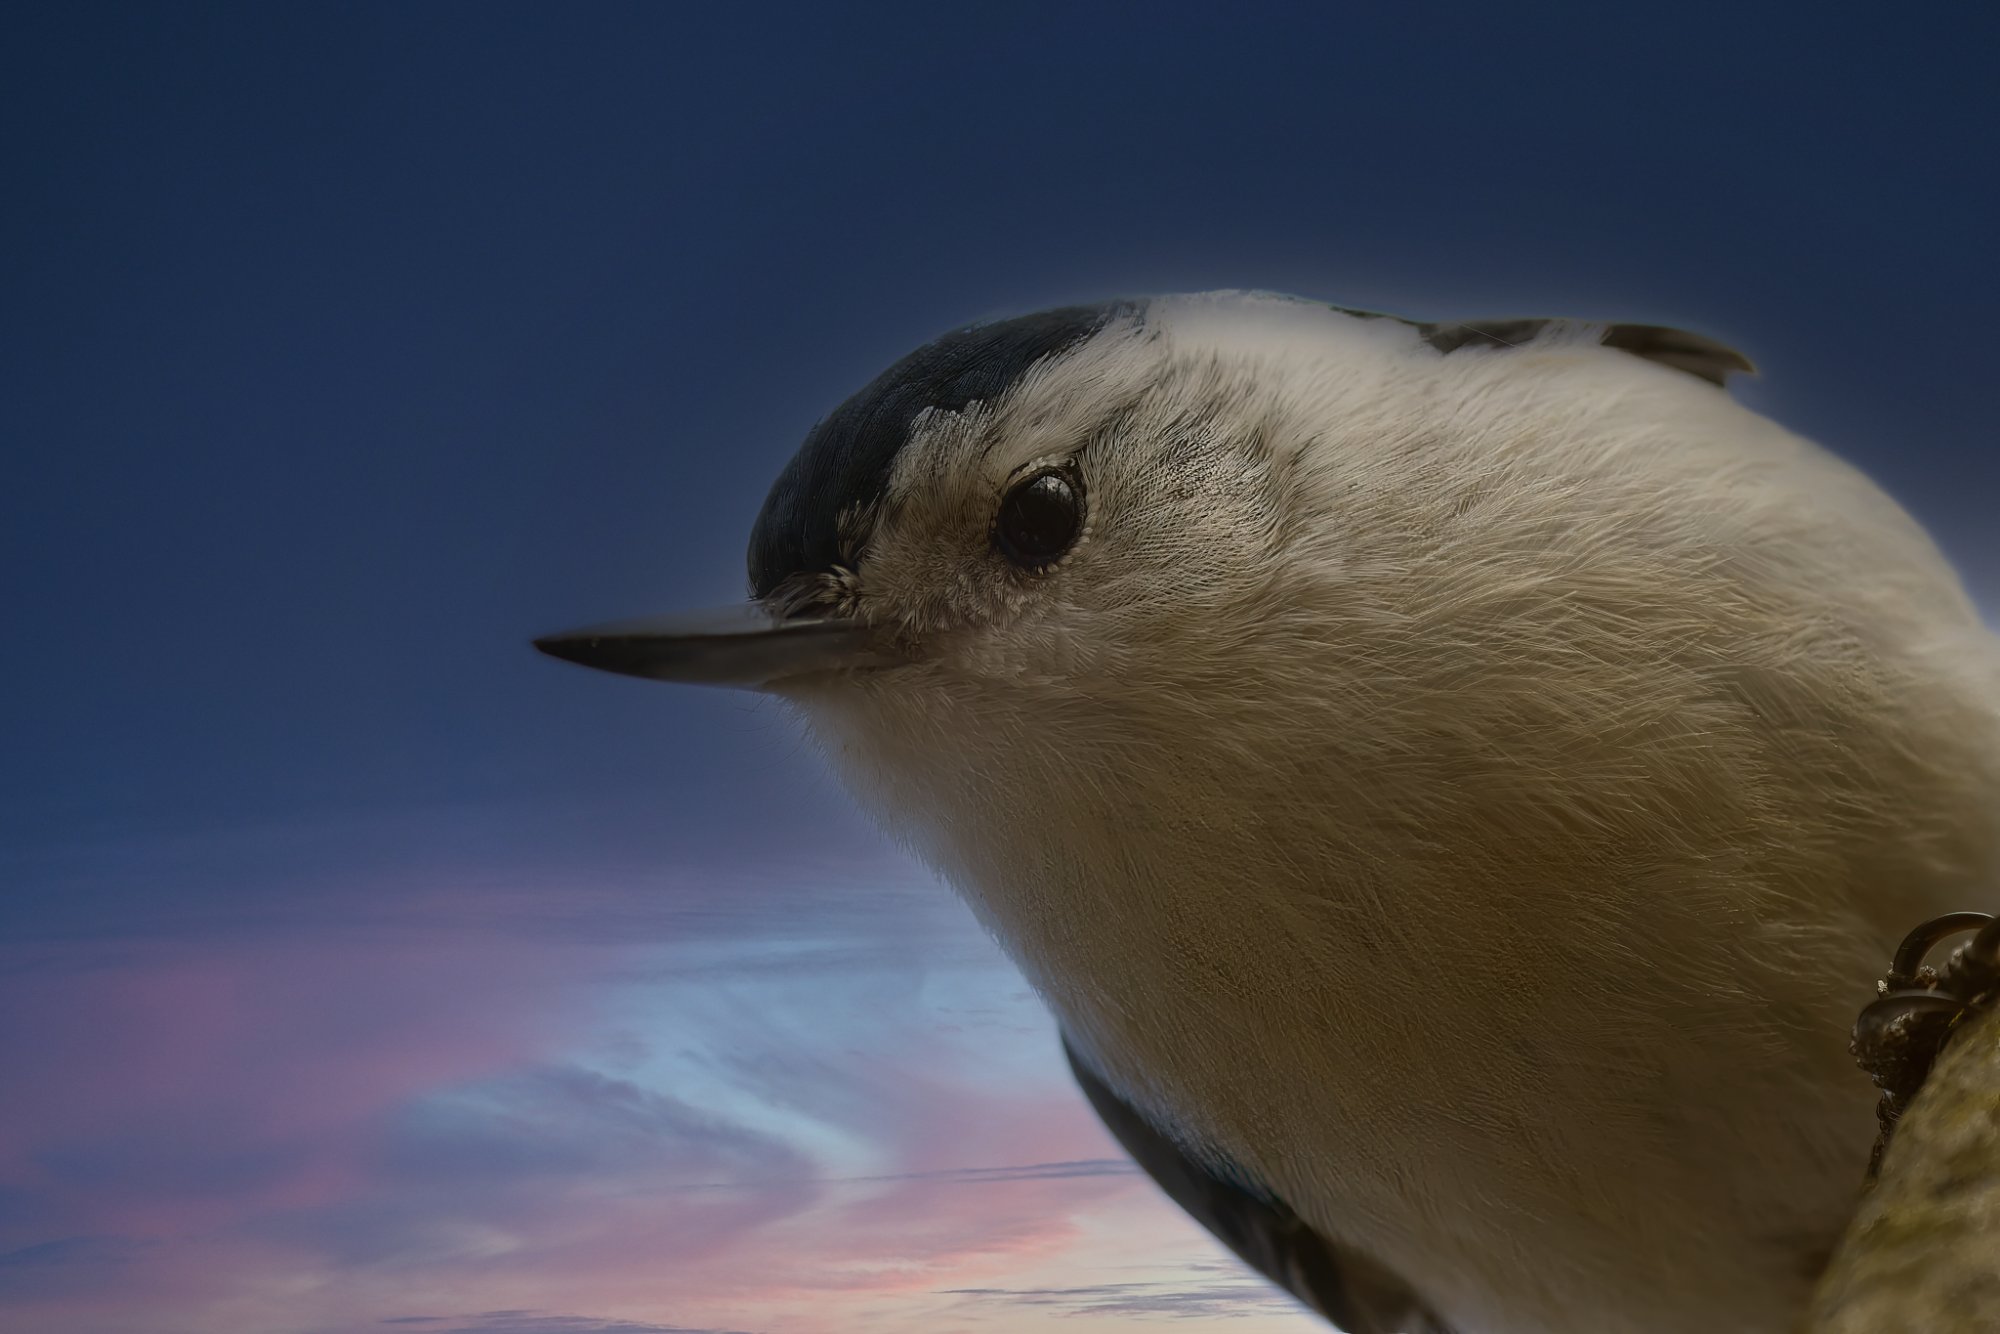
[{"x": 1922, "y": 1255}]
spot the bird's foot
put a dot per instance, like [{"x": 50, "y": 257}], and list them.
[{"x": 1917, "y": 1007}]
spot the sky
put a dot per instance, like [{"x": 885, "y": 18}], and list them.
[{"x": 361, "y": 970}]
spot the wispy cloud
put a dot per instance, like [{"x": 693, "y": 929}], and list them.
[
  {"x": 670, "y": 1112},
  {"x": 1219, "y": 1298},
  {"x": 536, "y": 1322},
  {"x": 973, "y": 1176}
]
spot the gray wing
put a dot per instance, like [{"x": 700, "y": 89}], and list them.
[
  {"x": 1696, "y": 354},
  {"x": 1354, "y": 1292}
]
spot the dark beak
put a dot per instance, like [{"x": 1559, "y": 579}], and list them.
[{"x": 742, "y": 646}]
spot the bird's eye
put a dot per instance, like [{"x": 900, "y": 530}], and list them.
[{"x": 1040, "y": 518}]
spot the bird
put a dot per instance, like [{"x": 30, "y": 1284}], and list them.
[{"x": 1452, "y": 782}]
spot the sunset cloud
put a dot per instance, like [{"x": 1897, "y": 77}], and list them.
[
  {"x": 535, "y": 1322},
  {"x": 605, "y": 1102},
  {"x": 1201, "y": 1291}
]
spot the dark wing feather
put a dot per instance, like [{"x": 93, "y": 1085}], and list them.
[
  {"x": 1355, "y": 1293},
  {"x": 1696, "y": 354}
]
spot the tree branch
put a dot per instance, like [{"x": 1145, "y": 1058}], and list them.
[{"x": 1922, "y": 1255}]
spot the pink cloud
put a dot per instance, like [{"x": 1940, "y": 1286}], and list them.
[
  {"x": 172, "y": 1088},
  {"x": 293, "y": 1136}
]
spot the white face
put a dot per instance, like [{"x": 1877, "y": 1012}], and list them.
[
  {"x": 1160, "y": 647},
  {"x": 1155, "y": 523}
]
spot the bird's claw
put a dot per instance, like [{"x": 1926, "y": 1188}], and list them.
[{"x": 1917, "y": 1006}]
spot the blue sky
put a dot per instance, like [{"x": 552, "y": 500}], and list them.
[{"x": 358, "y": 965}]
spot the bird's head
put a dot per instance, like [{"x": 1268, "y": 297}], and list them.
[
  {"x": 1192, "y": 562},
  {"x": 1031, "y": 521}
]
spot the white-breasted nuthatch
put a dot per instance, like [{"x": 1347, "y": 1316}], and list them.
[{"x": 1453, "y": 782}]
